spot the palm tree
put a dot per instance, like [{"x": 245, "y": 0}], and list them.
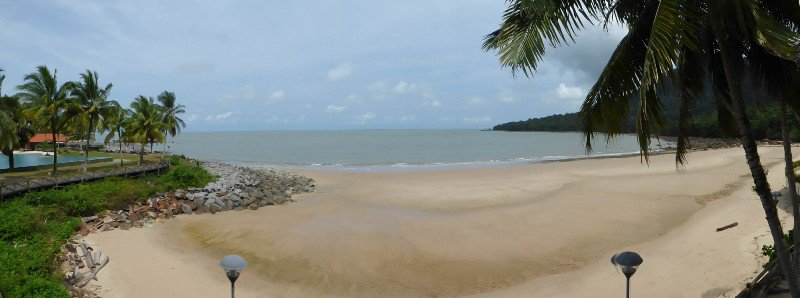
[
  {"x": 45, "y": 103},
  {"x": 20, "y": 131},
  {"x": 7, "y": 124},
  {"x": 115, "y": 123},
  {"x": 14, "y": 130},
  {"x": 669, "y": 43},
  {"x": 171, "y": 110},
  {"x": 145, "y": 125},
  {"x": 94, "y": 106},
  {"x": 781, "y": 78}
]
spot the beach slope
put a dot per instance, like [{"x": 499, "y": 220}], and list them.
[{"x": 543, "y": 230}]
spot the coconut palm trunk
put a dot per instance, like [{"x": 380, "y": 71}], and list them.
[
  {"x": 141, "y": 154},
  {"x": 164, "y": 152},
  {"x": 121, "y": 156},
  {"x": 86, "y": 152},
  {"x": 10, "y": 153},
  {"x": 790, "y": 182},
  {"x": 55, "y": 150},
  {"x": 731, "y": 64}
]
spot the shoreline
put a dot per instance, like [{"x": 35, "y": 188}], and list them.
[
  {"x": 406, "y": 168},
  {"x": 506, "y": 231},
  {"x": 698, "y": 145}
]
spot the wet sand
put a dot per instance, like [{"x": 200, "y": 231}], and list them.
[{"x": 540, "y": 230}]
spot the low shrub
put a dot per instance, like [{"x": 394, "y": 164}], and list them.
[
  {"x": 769, "y": 250},
  {"x": 35, "y": 226},
  {"x": 30, "y": 238},
  {"x": 184, "y": 175}
]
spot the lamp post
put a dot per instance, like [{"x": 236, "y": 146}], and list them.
[
  {"x": 628, "y": 261},
  {"x": 232, "y": 264}
]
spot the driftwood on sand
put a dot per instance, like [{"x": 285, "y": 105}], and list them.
[
  {"x": 94, "y": 273},
  {"x": 727, "y": 226}
]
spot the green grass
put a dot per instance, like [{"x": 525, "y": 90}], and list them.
[{"x": 34, "y": 227}]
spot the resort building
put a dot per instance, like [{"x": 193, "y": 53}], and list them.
[{"x": 47, "y": 138}]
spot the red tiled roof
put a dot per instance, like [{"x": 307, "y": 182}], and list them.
[{"x": 46, "y": 137}]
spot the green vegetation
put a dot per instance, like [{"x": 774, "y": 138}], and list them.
[
  {"x": 184, "y": 174},
  {"x": 34, "y": 227},
  {"x": 769, "y": 250},
  {"x": 764, "y": 118},
  {"x": 145, "y": 124},
  {"x": 92, "y": 105},
  {"x": 80, "y": 109}
]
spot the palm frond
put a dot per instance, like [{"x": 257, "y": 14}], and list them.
[
  {"x": 529, "y": 26},
  {"x": 690, "y": 81},
  {"x": 608, "y": 102},
  {"x": 777, "y": 38}
]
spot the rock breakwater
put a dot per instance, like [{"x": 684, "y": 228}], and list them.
[{"x": 236, "y": 188}]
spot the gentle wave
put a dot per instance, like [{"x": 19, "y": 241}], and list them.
[
  {"x": 410, "y": 167},
  {"x": 395, "y": 150}
]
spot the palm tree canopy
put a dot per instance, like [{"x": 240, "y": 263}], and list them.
[
  {"x": 171, "y": 111},
  {"x": 145, "y": 123},
  {"x": 116, "y": 122},
  {"x": 45, "y": 101},
  {"x": 9, "y": 107},
  {"x": 93, "y": 103},
  {"x": 670, "y": 43}
]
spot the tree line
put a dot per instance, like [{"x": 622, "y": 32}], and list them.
[
  {"x": 764, "y": 117},
  {"x": 765, "y": 123},
  {"x": 83, "y": 108}
]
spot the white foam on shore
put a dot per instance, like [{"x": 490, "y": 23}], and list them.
[{"x": 411, "y": 167}]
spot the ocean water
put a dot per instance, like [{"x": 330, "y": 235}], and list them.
[{"x": 387, "y": 150}]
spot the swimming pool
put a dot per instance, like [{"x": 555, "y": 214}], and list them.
[{"x": 24, "y": 160}]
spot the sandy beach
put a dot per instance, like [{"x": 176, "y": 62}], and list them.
[{"x": 544, "y": 230}]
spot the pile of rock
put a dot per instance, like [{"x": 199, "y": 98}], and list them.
[
  {"x": 702, "y": 144},
  {"x": 240, "y": 187},
  {"x": 237, "y": 188}
]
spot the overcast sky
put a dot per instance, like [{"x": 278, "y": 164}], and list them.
[{"x": 274, "y": 65}]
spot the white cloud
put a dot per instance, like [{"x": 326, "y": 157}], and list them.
[
  {"x": 507, "y": 97},
  {"x": 378, "y": 86},
  {"x": 249, "y": 92},
  {"x": 475, "y": 101},
  {"x": 483, "y": 119},
  {"x": 334, "y": 109},
  {"x": 340, "y": 72},
  {"x": 432, "y": 103},
  {"x": 277, "y": 95},
  {"x": 223, "y": 116},
  {"x": 246, "y": 92},
  {"x": 402, "y": 87},
  {"x": 353, "y": 99},
  {"x": 365, "y": 117},
  {"x": 408, "y": 118},
  {"x": 191, "y": 118},
  {"x": 569, "y": 93}
]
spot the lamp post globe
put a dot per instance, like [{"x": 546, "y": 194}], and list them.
[
  {"x": 628, "y": 262},
  {"x": 232, "y": 264}
]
